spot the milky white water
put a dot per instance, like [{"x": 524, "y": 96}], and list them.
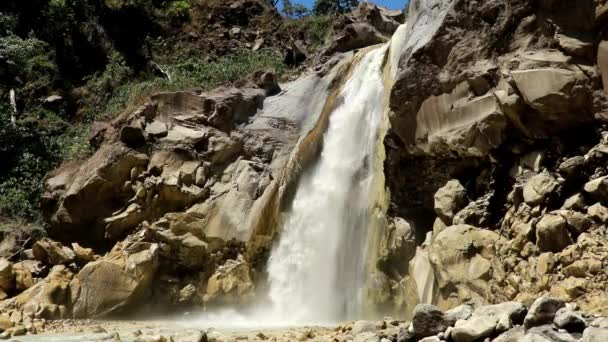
[{"x": 317, "y": 269}]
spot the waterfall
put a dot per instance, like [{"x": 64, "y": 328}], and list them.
[{"x": 318, "y": 267}]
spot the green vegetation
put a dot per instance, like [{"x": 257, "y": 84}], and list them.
[
  {"x": 328, "y": 7},
  {"x": 316, "y": 28}
]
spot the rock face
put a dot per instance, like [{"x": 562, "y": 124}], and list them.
[{"x": 115, "y": 282}]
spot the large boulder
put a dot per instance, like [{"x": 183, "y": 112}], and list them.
[
  {"x": 474, "y": 329},
  {"x": 52, "y": 253},
  {"x": 428, "y": 320},
  {"x": 542, "y": 311},
  {"x": 115, "y": 283},
  {"x": 462, "y": 259}
]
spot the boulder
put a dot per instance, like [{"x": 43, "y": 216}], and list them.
[
  {"x": 428, "y": 320},
  {"x": 542, "y": 311},
  {"x": 461, "y": 257},
  {"x": 602, "y": 60},
  {"x": 507, "y": 314},
  {"x": 7, "y": 276},
  {"x": 546, "y": 263},
  {"x": 583, "y": 268},
  {"x": 231, "y": 283},
  {"x": 363, "y": 326},
  {"x": 569, "y": 320},
  {"x": 398, "y": 248},
  {"x": 595, "y": 335},
  {"x": 49, "y": 298},
  {"x": 569, "y": 289},
  {"x": 538, "y": 187},
  {"x": 598, "y": 212},
  {"x": 83, "y": 255},
  {"x": 598, "y": 188},
  {"x": 574, "y": 202},
  {"x": 52, "y": 253},
  {"x": 550, "y": 92},
  {"x": 116, "y": 282},
  {"x": 356, "y": 36},
  {"x": 552, "y": 234},
  {"x": 25, "y": 272},
  {"x": 449, "y": 200},
  {"x": 474, "y": 329},
  {"x": 578, "y": 222}
]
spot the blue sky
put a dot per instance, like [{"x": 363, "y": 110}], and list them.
[{"x": 395, "y": 4}]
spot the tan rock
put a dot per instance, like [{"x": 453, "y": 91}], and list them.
[
  {"x": 115, "y": 282},
  {"x": 598, "y": 188},
  {"x": 602, "y": 60},
  {"x": 25, "y": 272},
  {"x": 578, "y": 222},
  {"x": 598, "y": 212},
  {"x": 583, "y": 268},
  {"x": 449, "y": 200},
  {"x": 569, "y": 289},
  {"x": 546, "y": 263},
  {"x": 538, "y": 187},
  {"x": 49, "y": 298},
  {"x": 83, "y": 255},
  {"x": 7, "y": 277},
  {"x": 467, "y": 271},
  {"x": 52, "y": 252},
  {"x": 231, "y": 283},
  {"x": 552, "y": 234}
]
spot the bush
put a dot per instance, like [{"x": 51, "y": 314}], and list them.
[
  {"x": 316, "y": 28},
  {"x": 189, "y": 74}
]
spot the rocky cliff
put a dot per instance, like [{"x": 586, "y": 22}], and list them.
[{"x": 495, "y": 172}]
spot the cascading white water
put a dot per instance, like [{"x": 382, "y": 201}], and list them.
[{"x": 317, "y": 270}]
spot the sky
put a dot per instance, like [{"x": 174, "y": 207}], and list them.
[{"x": 393, "y": 4}]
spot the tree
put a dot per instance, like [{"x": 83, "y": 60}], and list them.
[
  {"x": 272, "y": 3},
  {"x": 325, "y": 7},
  {"x": 287, "y": 8},
  {"x": 300, "y": 11}
]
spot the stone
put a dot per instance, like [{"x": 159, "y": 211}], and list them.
[
  {"x": 598, "y": 212},
  {"x": 428, "y": 320},
  {"x": 157, "y": 129},
  {"x": 554, "y": 335},
  {"x": 570, "y": 165},
  {"x": 363, "y": 326},
  {"x": 542, "y": 311},
  {"x": 405, "y": 335},
  {"x": 430, "y": 339},
  {"x": 449, "y": 200},
  {"x": 583, "y": 268},
  {"x": 592, "y": 334},
  {"x": 52, "y": 252},
  {"x": 5, "y": 322},
  {"x": 598, "y": 188},
  {"x": 508, "y": 314},
  {"x": 115, "y": 282},
  {"x": 602, "y": 61},
  {"x": 552, "y": 234},
  {"x": 457, "y": 269},
  {"x": 356, "y": 36},
  {"x": 538, "y": 187},
  {"x": 474, "y": 328},
  {"x": 461, "y": 312},
  {"x": 83, "y": 255},
  {"x": 569, "y": 289},
  {"x": 7, "y": 277},
  {"x": 578, "y": 222},
  {"x": 546, "y": 263},
  {"x": 574, "y": 202},
  {"x": 569, "y": 320},
  {"x": 25, "y": 272},
  {"x": 231, "y": 283},
  {"x": 132, "y": 136}
]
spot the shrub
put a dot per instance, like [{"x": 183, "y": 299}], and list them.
[{"x": 316, "y": 28}]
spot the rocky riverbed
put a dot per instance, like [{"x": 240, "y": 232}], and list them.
[{"x": 546, "y": 320}]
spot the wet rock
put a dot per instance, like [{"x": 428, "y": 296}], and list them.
[
  {"x": 552, "y": 234},
  {"x": 356, "y": 36},
  {"x": 542, "y": 311},
  {"x": 449, "y": 200}
]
